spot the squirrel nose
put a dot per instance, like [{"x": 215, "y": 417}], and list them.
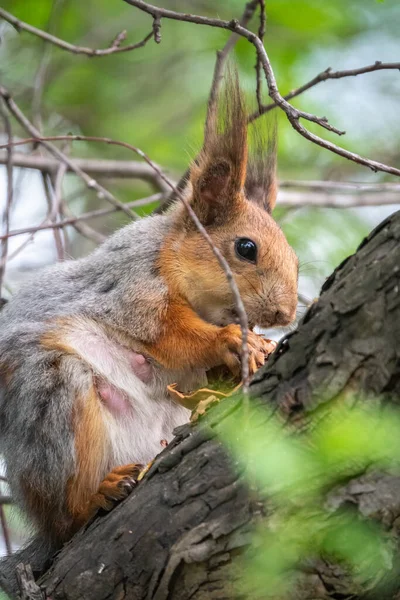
[{"x": 283, "y": 317}]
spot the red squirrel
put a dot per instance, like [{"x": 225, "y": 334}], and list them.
[{"x": 77, "y": 415}]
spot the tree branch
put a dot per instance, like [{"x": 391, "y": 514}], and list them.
[
  {"x": 331, "y": 199},
  {"x": 94, "y": 167},
  {"x": 89, "y": 181},
  {"x": 261, "y": 33},
  {"x": 223, "y": 54},
  {"x": 294, "y": 115},
  {"x": 331, "y": 194},
  {"x": 73, "y": 220},
  {"x": 115, "y": 47},
  {"x": 9, "y": 200},
  {"x": 324, "y": 76}
]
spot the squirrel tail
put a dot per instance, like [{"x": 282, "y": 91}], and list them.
[{"x": 38, "y": 553}]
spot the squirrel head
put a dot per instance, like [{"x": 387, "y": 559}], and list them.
[{"x": 233, "y": 196}]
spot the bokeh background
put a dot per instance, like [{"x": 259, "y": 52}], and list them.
[{"x": 155, "y": 98}]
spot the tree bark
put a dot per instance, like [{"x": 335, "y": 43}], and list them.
[{"x": 176, "y": 536}]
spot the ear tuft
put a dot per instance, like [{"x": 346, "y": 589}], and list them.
[
  {"x": 261, "y": 184},
  {"x": 218, "y": 174}
]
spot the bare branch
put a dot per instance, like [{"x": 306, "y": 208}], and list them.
[
  {"x": 52, "y": 213},
  {"x": 90, "y": 182},
  {"x": 9, "y": 200},
  {"x": 331, "y": 199},
  {"x": 362, "y": 194},
  {"x": 113, "y": 49},
  {"x": 41, "y": 73},
  {"x": 73, "y": 220},
  {"x": 261, "y": 33},
  {"x": 76, "y": 222},
  {"x": 6, "y": 500},
  {"x": 294, "y": 115},
  {"x": 341, "y": 186},
  {"x": 324, "y": 76},
  {"x": 6, "y": 531},
  {"x": 93, "y": 167}
]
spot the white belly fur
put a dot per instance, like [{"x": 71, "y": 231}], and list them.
[{"x": 135, "y": 435}]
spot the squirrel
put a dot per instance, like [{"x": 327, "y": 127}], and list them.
[{"x": 78, "y": 416}]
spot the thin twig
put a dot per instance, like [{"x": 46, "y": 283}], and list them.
[
  {"x": 332, "y": 192},
  {"x": 236, "y": 27},
  {"x": 115, "y": 47},
  {"x": 52, "y": 214},
  {"x": 9, "y": 200},
  {"x": 331, "y": 199},
  {"x": 79, "y": 226},
  {"x": 324, "y": 76},
  {"x": 94, "y": 214},
  {"x": 127, "y": 169},
  {"x": 261, "y": 33},
  {"x": 93, "y": 167},
  {"x": 57, "y": 201},
  {"x": 294, "y": 115},
  {"x": 41, "y": 73},
  {"x": 90, "y": 182},
  {"x": 6, "y": 531},
  {"x": 5, "y": 500},
  {"x": 36, "y": 108},
  {"x": 285, "y": 200},
  {"x": 340, "y": 186}
]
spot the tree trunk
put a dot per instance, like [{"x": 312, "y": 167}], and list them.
[{"x": 177, "y": 534}]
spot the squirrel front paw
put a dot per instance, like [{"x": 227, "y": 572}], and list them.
[
  {"x": 230, "y": 346},
  {"x": 115, "y": 487}
]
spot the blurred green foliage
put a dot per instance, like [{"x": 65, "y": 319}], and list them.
[{"x": 295, "y": 474}]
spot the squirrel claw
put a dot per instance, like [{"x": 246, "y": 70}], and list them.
[
  {"x": 127, "y": 484},
  {"x": 118, "y": 484}
]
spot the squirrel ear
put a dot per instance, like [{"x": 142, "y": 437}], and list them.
[
  {"x": 213, "y": 182},
  {"x": 211, "y": 191}
]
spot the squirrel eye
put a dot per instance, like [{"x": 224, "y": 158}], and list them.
[{"x": 246, "y": 249}]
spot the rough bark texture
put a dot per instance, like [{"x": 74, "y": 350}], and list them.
[{"x": 176, "y": 536}]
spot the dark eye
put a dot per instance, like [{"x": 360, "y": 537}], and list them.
[{"x": 246, "y": 249}]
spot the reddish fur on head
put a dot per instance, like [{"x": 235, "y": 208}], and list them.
[{"x": 233, "y": 195}]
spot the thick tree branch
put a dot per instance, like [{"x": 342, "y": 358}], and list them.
[{"x": 115, "y": 47}]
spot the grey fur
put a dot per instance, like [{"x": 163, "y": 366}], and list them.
[{"x": 112, "y": 285}]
